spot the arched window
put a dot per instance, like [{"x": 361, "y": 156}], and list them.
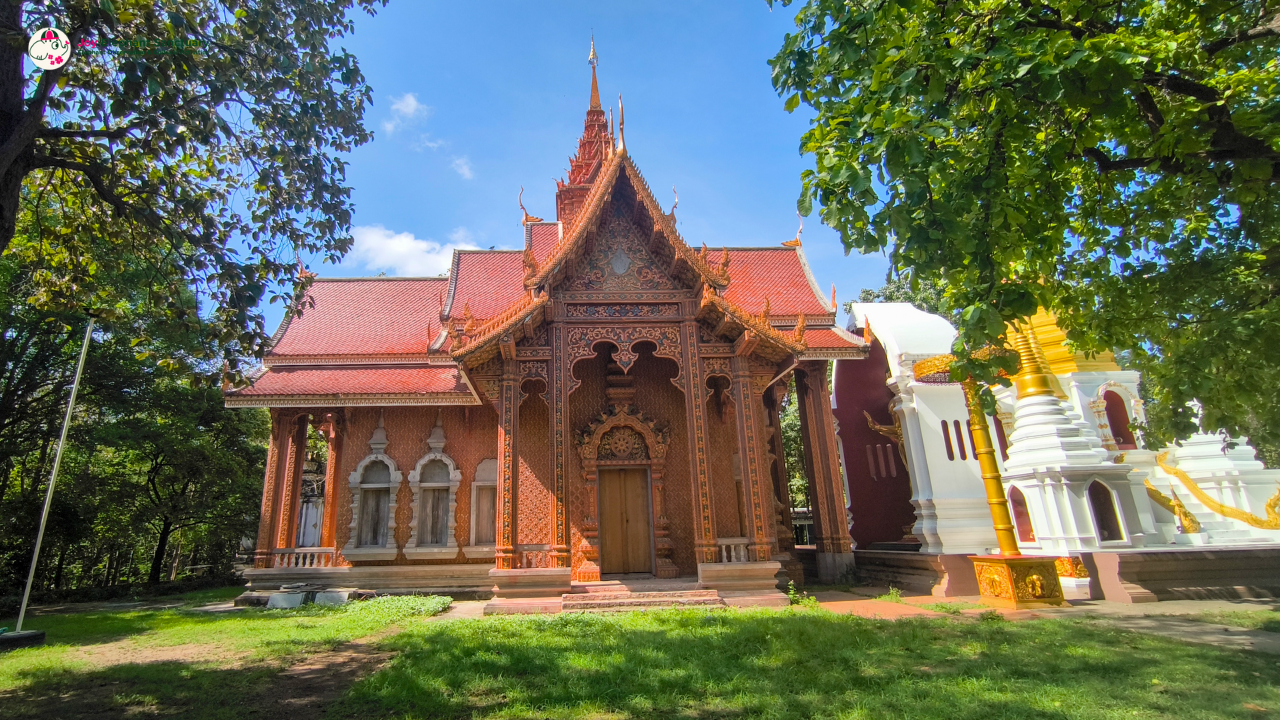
[
  {"x": 374, "y": 482},
  {"x": 1105, "y": 519},
  {"x": 1021, "y": 516},
  {"x": 375, "y": 505},
  {"x": 1118, "y": 420},
  {"x": 434, "y": 486},
  {"x": 484, "y": 505}
]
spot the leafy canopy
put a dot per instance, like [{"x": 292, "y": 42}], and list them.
[
  {"x": 206, "y": 132},
  {"x": 1114, "y": 161}
]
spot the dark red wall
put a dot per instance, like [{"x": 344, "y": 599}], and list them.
[{"x": 880, "y": 502}]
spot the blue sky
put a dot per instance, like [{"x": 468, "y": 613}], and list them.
[{"x": 472, "y": 101}]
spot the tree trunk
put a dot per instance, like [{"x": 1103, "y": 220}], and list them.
[
  {"x": 157, "y": 558},
  {"x": 12, "y": 106}
]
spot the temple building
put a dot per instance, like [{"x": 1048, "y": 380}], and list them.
[
  {"x": 1198, "y": 519},
  {"x": 603, "y": 402}
]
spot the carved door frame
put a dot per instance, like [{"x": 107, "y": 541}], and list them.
[{"x": 624, "y": 438}]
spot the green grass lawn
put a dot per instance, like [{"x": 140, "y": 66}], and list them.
[
  {"x": 801, "y": 663},
  {"x": 1268, "y": 620},
  {"x": 205, "y": 664}
]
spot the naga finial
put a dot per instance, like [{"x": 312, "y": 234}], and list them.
[
  {"x": 764, "y": 313},
  {"x": 796, "y": 242},
  {"x": 675, "y": 204},
  {"x": 622, "y": 124},
  {"x": 527, "y": 217},
  {"x": 724, "y": 262},
  {"x": 797, "y": 335}
]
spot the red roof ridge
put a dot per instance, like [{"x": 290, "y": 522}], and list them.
[{"x": 406, "y": 278}]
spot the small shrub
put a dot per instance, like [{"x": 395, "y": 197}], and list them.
[
  {"x": 894, "y": 595},
  {"x": 991, "y": 616}
]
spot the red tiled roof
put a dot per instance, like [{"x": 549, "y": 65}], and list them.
[
  {"x": 830, "y": 338},
  {"x": 487, "y": 280},
  {"x": 776, "y": 273},
  {"x": 544, "y": 238},
  {"x": 355, "y": 380},
  {"x": 365, "y": 316}
]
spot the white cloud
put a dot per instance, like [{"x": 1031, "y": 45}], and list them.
[
  {"x": 463, "y": 166},
  {"x": 377, "y": 248},
  {"x": 425, "y": 141},
  {"x": 403, "y": 110}
]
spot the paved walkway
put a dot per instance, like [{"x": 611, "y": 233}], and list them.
[{"x": 1163, "y": 618}]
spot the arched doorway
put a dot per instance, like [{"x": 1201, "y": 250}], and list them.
[
  {"x": 1118, "y": 421},
  {"x": 1105, "y": 518}
]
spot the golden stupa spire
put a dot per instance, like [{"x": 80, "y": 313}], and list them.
[{"x": 594, "y": 60}]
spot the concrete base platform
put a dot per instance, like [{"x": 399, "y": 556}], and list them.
[
  {"x": 934, "y": 574},
  {"x": 523, "y": 606},
  {"x": 1185, "y": 574},
  {"x": 26, "y": 638},
  {"x": 459, "y": 581}
]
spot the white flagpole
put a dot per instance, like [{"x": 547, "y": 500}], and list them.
[{"x": 53, "y": 477}]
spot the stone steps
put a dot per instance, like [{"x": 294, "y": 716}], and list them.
[{"x": 623, "y": 600}]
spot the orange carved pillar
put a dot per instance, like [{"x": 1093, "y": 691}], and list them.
[
  {"x": 696, "y": 420},
  {"x": 270, "y": 489},
  {"x": 558, "y": 403},
  {"x": 757, "y": 495},
  {"x": 288, "y": 512},
  {"x": 333, "y": 432},
  {"x": 822, "y": 462},
  {"x": 508, "y": 465}
]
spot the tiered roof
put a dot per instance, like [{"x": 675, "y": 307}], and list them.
[{"x": 381, "y": 341}]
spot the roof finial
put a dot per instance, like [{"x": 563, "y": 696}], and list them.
[
  {"x": 594, "y": 60},
  {"x": 834, "y": 307},
  {"x": 622, "y": 124},
  {"x": 796, "y": 241},
  {"x": 675, "y": 204},
  {"x": 527, "y": 217}
]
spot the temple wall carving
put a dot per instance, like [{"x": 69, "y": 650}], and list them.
[
  {"x": 722, "y": 446},
  {"x": 536, "y": 488},
  {"x": 469, "y": 441}
]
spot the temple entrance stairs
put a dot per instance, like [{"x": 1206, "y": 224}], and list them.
[{"x": 627, "y": 593}]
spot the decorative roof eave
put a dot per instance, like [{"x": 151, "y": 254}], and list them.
[
  {"x": 605, "y": 181},
  {"x": 353, "y": 400},
  {"x": 370, "y": 359},
  {"x": 845, "y": 353},
  {"x": 711, "y": 277},
  {"x": 813, "y": 281},
  {"x": 761, "y": 328},
  {"x": 492, "y": 330}
]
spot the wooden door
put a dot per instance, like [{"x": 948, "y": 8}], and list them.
[{"x": 625, "y": 534}]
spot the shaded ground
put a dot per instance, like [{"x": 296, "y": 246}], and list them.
[{"x": 193, "y": 664}]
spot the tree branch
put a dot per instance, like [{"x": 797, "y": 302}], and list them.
[
  {"x": 1269, "y": 29},
  {"x": 29, "y": 126},
  {"x": 112, "y": 134},
  {"x": 1106, "y": 164}
]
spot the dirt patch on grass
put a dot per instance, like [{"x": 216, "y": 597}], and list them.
[{"x": 306, "y": 688}]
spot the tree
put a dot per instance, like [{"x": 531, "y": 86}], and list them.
[
  {"x": 204, "y": 131},
  {"x": 925, "y": 295},
  {"x": 185, "y": 461},
  {"x": 1114, "y": 161}
]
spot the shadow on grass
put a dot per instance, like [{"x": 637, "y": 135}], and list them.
[
  {"x": 802, "y": 665},
  {"x": 171, "y": 689}
]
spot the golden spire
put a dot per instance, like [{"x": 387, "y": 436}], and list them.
[
  {"x": 796, "y": 241},
  {"x": 622, "y": 123},
  {"x": 1031, "y": 379},
  {"x": 833, "y": 298},
  {"x": 594, "y": 60}
]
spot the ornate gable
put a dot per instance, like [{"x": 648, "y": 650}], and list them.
[{"x": 618, "y": 258}]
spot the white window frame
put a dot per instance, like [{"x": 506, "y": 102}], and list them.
[
  {"x": 450, "y": 549},
  {"x": 388, "y": 551},
  {"x": 482, "y": 478}
]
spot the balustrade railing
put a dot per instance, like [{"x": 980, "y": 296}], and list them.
[
  {"x": 303, "y": 558},
  {"x": 733, "y": 550}
]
